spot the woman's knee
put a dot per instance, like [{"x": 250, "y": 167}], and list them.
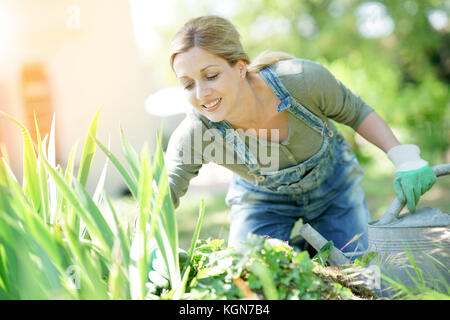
[{"x": 257, "y": 220}]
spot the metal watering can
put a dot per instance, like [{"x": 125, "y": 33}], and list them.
[{"x": 412, "y": 241}]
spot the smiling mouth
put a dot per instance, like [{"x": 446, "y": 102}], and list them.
[{"x": 212, "y": 105}]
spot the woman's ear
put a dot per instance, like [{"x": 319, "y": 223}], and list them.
[{"x": 242, "y": 66}]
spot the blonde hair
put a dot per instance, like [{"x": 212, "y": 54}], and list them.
[
  {"x": 268, "y": 58},
  {"x": 219, "y": 36}
]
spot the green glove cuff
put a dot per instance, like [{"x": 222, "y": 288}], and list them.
[{"x": 409, "y": 186}]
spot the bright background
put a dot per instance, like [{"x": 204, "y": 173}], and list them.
[{"x": 70, "y": 57}]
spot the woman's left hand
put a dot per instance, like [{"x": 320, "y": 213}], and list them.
[
  {"x": 409, "y": 186},
  {"x": 413, "y": 175}
]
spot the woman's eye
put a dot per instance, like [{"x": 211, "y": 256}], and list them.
[
  {"x": 188, "y": 86},
  {"x": 212, "y": 77}
]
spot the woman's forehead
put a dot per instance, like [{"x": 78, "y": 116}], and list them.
[{"x": 195, "y": 60}]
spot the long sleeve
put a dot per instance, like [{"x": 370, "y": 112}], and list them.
[
  {"x": 183, "y": 158},
  {"x": 316, "y": 87}
]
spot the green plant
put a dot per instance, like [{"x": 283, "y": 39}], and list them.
[
  {"x": 322, "y": 255},
  {"x": 58, "y": 242},
  {"x": 425, "y": 283},
  {"x": 261, "y": 269}
]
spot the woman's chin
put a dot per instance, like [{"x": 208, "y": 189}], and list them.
[{"x": 214, "y": 117}]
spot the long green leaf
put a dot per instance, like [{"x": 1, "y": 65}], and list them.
[
  {"x": 78, "y": 201},
  {"x": 88, "y": 151},
  {"x": 44, "y": 191},
  {"x": 130, "y": 154},
  {"x": 124, "y": 173},
  {"x": 101, "y": 182},
  {"x": 144, "y": 211},
  {"x": 87, "y": 156},
  {"x": 125, "y": 244},
  {"x": 191, "y": 251},
  {"x": 165, "y": 243},
  {"x": 8, "y": 263},
  {"x": 19, "y": 206},
  {"x": 43, "y": 177},
  {"x": 6, "y": 178},
  {"x": 166, "y": 232},
  {"x": 97, "y": 197},
  {"x": 63, "y": 206},
  {"x": 9, "y": 269},
  {"x": 5, "y": 279},
  {"x": 4, "y": 152},
  {"x": 31, "y": 222},
  {"x": 38, "y": 230},
  {"x": 51, "y": 156},
  {"x": 38, "y": 273},
  {"x": 265, "y": 276},
  {"x": 178, "y": 294},
  {"x": 30, "y": 167},
  {"x": 168, "y": 214},
  {"x": 103, "y": 230},
  {"x": 118, "y": 285},
  {"x": 91, "y": 284}
]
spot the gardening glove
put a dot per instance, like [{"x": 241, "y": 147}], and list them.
[{"x": 413, "y": 175}]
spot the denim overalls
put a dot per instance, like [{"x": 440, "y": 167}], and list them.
[{"x": 324, "y": 190}]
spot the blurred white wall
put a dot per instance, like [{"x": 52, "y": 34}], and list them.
[{"x": 92, "y": 61}]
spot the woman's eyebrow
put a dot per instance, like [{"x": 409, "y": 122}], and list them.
[{"x": 203, "y": 69}]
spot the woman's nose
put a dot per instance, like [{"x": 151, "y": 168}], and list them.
[{"x": 203, "y": 92}]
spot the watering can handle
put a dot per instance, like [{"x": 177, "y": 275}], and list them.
[{"x": 396, "y": 206}]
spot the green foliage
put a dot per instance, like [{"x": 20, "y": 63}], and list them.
[
  {"x": 429, "y": 283},
  {"x": 269, "y": 269},
  {"x": 365, "y": 259},
  {"x": 82, "y": 251},
  {"x": 322, "y": 255}
]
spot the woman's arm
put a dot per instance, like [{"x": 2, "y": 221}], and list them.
[
  {"x": 375, "y": 130},
  {"x": 413, "y": 175},
  {"x": 183, "y": 158}
]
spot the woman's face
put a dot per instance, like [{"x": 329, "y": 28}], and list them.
[{"x": 211, "y": 85}]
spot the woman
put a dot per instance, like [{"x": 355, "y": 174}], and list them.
[{"x": 269, "y": 122}]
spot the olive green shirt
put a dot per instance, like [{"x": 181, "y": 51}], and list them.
[{"x": 311, "y": 84}]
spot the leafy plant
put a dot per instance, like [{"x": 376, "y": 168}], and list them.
[
  {"x": 261, "y": 269},
  {"x": 422, "y": 283},
  {"x": 322, "y": 255},
  {"x": 58, "y": 242}
]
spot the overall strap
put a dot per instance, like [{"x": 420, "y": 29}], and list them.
[
  {"x": 298, "y": 110},
  {"x": 239, "y": 146}
]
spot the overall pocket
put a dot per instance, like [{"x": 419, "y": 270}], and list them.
[{"x": 343, "y": 151}]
